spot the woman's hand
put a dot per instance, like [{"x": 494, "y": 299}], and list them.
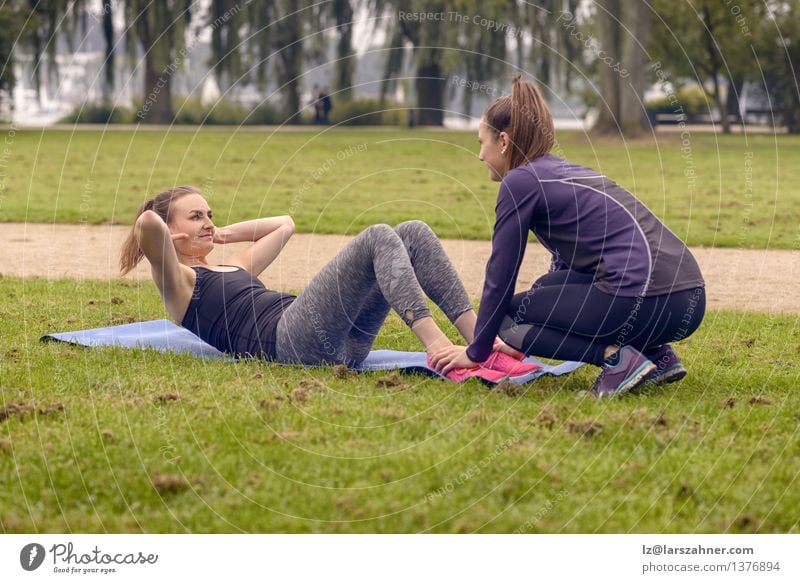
[
  {"x": 451, "y": 357},
  {"x": 179, "y": 236},
  {"x": 270, "y": 235},
  {"x": 503, "y": 347},
  {"x": 252, "y": 231},
  {"x": 220, "y": 236}
]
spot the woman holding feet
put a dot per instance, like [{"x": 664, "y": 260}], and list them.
[{"x": 621, "y": 286}]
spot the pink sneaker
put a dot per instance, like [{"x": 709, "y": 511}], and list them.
[
  {"x": 458, "y": 375},
  {"x": 507, "y": 364}
]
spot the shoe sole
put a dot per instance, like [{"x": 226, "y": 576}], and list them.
[
  {"x": 520, "y": 373},
  {"x": 486, "y": 376},
  {"x": 639, "y": 376},
  {"x": 671, "y": 375}
]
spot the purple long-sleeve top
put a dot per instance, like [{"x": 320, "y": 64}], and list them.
[{"x": 589, "y": 224}]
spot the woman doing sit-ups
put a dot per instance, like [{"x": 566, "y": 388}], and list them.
[{"x": 335, "y": 320}]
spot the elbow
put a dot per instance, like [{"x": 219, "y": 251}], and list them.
[
  {"x": 148, "y": 220},
  {"x": 148, "y": 224},
  {"x": 288, "y": 224}
]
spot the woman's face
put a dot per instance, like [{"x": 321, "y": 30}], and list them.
[
  {"x": 190, "y": 215},
  {"x": 494, "y": 151}
]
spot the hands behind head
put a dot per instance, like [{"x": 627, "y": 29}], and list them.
[{"x": 219, "y": 236}]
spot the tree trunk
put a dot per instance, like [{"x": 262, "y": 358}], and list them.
[
  {"x": 622, "y": 61},
  {"x": 289, "y": 45},
  {"x": 108, "y": 64},
  {"x": 157, "y": 106},
  {"x": 429, "y": 84},
  {"x": 715, "y": 69},
  {"x": 393, "y": 64},
  {"x": 608, "y": 122},
  {"x": 572, "y": 54},
  {"x": 226, "y": 46},
  {"x": 345, "y": 60},
  {"x": 37, "y": 54},
  {"x": 544, "y": 31},
  {"x": 430, "y": 94},
  {"x": 634, "y": 82},
  {"x": 3, "y": 104},
  {"x": 791, "y": 116},
  {"x": 721, "y": 106},
  {"x": 733, "y": 105},
  {"x": 288, "y": 79}
]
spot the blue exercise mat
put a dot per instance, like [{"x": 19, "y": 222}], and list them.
[{"x": 163, "y": 335}]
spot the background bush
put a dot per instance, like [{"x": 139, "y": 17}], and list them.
[
  {"x": 100, "y": 113},
  {"x": 188, "y": 111},
  {"x": 692, "y": 99},
  {"x": 368, "y": 111}
]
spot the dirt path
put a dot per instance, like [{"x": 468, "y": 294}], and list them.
[{"x": 764, "y": 281}]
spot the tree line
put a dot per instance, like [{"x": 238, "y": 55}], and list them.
[{"x": 607, "y": 51}]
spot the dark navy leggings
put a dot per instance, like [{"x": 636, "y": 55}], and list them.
[{"x": 565, "y": 316}]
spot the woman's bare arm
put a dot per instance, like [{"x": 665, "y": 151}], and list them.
[
  {"x": 251, "y": 230},
  {"x": 269, "y": 236},
  {"x": 155, "y": 241}
]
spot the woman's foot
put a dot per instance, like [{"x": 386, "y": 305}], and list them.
[
  {"x": 513, "y": 367},
  {"x": 669, "y": 368},
  {"x": 625, "y": 370}
]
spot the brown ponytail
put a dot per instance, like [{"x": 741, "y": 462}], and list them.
[
  {"x": 527, "y": 120},
  {"x": 131, "y": 253}
]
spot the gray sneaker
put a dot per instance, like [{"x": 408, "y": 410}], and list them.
[
  {"x": 631, "y": 371},
  {"x": 668, "y": 366}
]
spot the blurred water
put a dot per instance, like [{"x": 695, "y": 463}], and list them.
[{"x": 80, "y": 81}]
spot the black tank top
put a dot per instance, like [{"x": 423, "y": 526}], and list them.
[{"x": 234, "y": 312}]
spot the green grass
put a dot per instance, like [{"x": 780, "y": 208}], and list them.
[
  {"x": 740, "y": 191},
  {"x": 249, "y": 447}
]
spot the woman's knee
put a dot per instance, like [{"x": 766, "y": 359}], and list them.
[
  {"x": 687, "y": 314},
  {"x": 414, "y": 229},
  {"x": 513, "y": 333},
  {"x": 378, "y": 234},
  {"x": 415, "y": 234},
  {"x": 380, "y": 231}
]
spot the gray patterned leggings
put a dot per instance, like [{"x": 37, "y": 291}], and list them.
[{"x": 336, "y": 318}]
